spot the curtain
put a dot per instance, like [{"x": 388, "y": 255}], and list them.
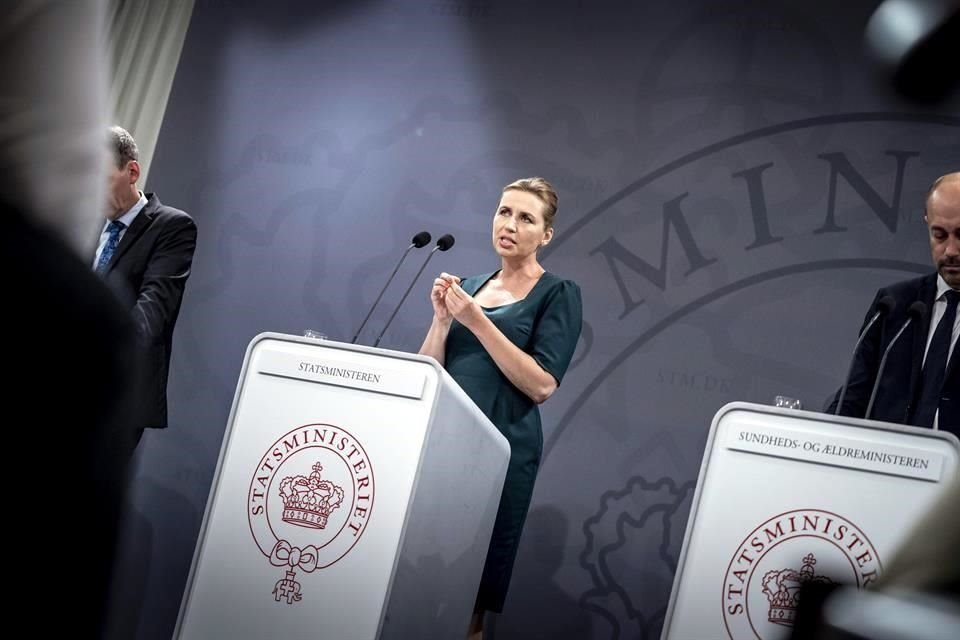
[{"x": 145, "y": 39}]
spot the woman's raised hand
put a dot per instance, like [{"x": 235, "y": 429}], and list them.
[{"x": 438, "y": 296}]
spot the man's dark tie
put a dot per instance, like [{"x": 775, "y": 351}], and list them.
[
  {"x": 935, "y": 366},
  {"x": 113, "y": 239}
]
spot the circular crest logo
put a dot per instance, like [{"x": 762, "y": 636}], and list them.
[
  {"x": 764, "y": 577},
  {"x": 309, "y": 502}
]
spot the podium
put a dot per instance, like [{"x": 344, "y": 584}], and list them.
[
  {"x": 354, "y": 498},
  {"x": 788, "y": 497}
]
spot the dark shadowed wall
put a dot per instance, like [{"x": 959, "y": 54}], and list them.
[{"x": 734, "y": 185}]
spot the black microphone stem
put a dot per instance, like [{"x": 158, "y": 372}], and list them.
[
  {"x": 405, "y": 294},
  {"x": 377, "y": 301},
  {"x": 853, "y": 360},
  {"x": 883, "y": 363},
  {"x": 917, "y": 310}
]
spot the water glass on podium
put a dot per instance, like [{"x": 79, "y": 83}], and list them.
[{"x": 787, "y": 402}]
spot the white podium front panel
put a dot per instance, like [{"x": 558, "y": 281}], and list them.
[
  {"x": 314, "y": 481},
  {"x": 786, "y": 497}
]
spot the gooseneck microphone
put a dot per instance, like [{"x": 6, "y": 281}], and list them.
[
  {"x": 885, "y": 305},
  {"x": 917, "y": 311},
  {"x": 419, "y": 240},
  {"x": 444, "y": 243}
]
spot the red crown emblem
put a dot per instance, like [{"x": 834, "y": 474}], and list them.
[
  {"x": 309, "y": 501},
  {"x": 782, "y": 589}
]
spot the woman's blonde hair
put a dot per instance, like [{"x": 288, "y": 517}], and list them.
[{"x": 544, "y": 191}]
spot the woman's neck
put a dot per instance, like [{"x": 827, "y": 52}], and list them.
[{"x": 528, "y": 269}]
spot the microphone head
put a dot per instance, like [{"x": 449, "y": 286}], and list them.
[
  {"x": 422, "y": 239},
  {"x": 918, "y": 310},
  {"x": 886, "y": 304},
  {"x": 445, "y": 242}
]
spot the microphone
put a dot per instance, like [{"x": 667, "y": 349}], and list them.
[
  {"x": 444, "y": 243},
  {"x": 917, "y": 310},
  {"x": 419, "y": 240},
  {"x": 884, "y": 306}
]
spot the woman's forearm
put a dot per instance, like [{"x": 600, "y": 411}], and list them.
[
  {"x": 434, "y": 345},
  {"x": 519, "y": 367}
]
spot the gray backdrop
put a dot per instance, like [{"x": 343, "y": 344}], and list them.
[{"x": 734, "y": 181}]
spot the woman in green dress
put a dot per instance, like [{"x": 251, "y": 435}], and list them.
[{"x": 507, "y": 338}]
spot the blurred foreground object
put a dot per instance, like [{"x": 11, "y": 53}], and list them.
[
  {"x": 851, "y": 614},
  {"x": 52, "y": 116},
  {"x": 917, "y": 45}
]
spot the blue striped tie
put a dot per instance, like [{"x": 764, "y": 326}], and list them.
[{"x": 114, "y": 229}]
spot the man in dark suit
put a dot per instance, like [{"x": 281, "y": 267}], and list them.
[
  {"x": 145, "y": 252},
  {"x": 920, "y": 384}
]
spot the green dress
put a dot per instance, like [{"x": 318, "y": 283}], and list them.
[{"x": 546, "y": 324}]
